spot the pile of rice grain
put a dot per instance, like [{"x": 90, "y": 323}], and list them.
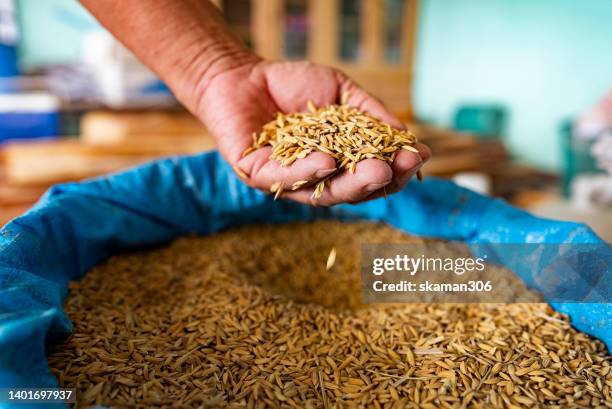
[
  {"x": 345, "y": 133},
  {"x": 251, "y": 318}
]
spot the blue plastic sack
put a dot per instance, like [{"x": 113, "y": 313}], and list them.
[{"x": 78, "y": 225}]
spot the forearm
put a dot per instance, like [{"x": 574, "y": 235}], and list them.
[{"x": 186, "y": 42}]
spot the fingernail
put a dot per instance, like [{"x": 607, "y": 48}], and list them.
[
  {"x": 320, "y": 174},
  {"x": 373, "y": 187}
]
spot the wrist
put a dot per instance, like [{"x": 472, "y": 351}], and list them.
[
  {"x": 201, "y": 48},
  {"x": 216, "y": 60}
]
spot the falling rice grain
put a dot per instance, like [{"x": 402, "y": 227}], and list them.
[
  {"x": 240, "y": 172},
  {"x": 331, "y": 259}
]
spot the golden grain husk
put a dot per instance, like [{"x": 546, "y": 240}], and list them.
[
  {"x": 251, "y": 318},
  {"x": 341, "y": 131}
]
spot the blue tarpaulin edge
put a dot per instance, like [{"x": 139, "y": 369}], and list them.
[{"x": 78, "y": 225}]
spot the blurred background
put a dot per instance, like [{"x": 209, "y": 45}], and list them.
[{"x": 513, "y": 96}]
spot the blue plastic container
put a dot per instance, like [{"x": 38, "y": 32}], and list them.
[
  {"x": 25, "y": 116},
  {"x": 8, "y": 61},
  {"x": 9, "y": 36}
]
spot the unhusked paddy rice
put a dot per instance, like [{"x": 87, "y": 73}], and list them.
[
  {"x": 345, "y": 133},
  {"x": 252, "y": 317}
]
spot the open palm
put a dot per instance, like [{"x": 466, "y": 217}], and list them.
[{"x": 240, "y": 101}]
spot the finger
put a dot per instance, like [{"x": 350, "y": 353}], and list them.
[
  {"x": 360, "y": 98},
  {"x": 264, "y": 172},
  {"x": 370, "y": 176},
  {"x": 292, "y": 84},
  {"x": 376, "y": 195},
  {"x": 405, "y": 166}
]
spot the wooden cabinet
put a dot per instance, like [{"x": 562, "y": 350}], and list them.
[{"x": 371, "y": 40}]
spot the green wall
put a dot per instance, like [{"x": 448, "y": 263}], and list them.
[
  {"x": 52, "y": 31},
  {"x": 546, "y": 60}
]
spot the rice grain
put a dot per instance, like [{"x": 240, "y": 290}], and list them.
[{"x": 250, "y": 318}]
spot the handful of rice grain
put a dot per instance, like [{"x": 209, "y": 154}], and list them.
[{"x": 341, "y": 131}]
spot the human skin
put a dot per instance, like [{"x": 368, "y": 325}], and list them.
[{"x": 234, "y": 93}]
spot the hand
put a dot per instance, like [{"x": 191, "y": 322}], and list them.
[
  {"x": 240, "y": 101},
  {"x": 190, "y": 47}
]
